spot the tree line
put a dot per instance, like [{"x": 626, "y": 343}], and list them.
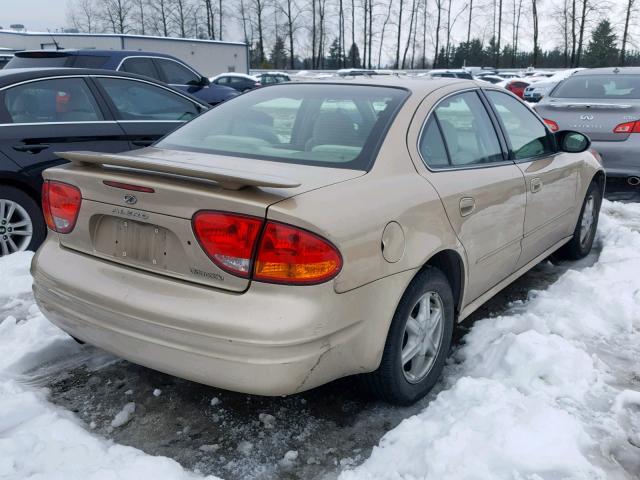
[{"x": 402, "y": 34}]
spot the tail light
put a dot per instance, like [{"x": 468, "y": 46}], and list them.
[
  {"x": 627, "y": 127},
  {"x": 553, "y": 126},
  {"x": 228, "y": 239},
  {"x": 290, "y": 255},
  {"x": 60, "y": 204},
  {"x": 274, "y": 252}
]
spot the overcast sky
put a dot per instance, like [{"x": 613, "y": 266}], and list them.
[{"x": 40, "y": 15}]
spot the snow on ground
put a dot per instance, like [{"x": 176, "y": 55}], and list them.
[
  {"x": 37, "y": 439},
  {"x": 548, "y": 390},
  {"x": 544, "y": 391}
]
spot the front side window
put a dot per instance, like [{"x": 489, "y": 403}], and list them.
[
  {"x": 527, "y": 135},
  {"x": 140, "y": 66},
  {"x": 136, "y": 100},
  {"x": 58, "y": 100},
  {"x": 599, "y": 86},
  {"x": 468, "y": 131},
  {"x": 176, "y": 74},
  {"x": 329, "y": 125}
]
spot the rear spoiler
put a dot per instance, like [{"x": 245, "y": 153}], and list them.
[{"x": 230, "y": 179}]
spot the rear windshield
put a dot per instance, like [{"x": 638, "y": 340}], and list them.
[
  {"x": 52, "y": 60},
  {"x": 328, "y": 125},
  {"x": 599, "y": 86}
]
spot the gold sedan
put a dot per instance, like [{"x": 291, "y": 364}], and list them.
[{"x": 305, "y": 232}]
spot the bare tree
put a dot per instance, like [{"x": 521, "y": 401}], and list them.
[
  {"x": 384, "y": 28},
  {"x": 117, "y": 15},
  {"x": 291, "y": 12},
  {"x": 139, "y": 16},
  {"x": 499, "y": 34},
  {"x": 159, "y": 16},
  {"x": 259, "y": 11},
  {"x": 583, "y": 22},
  {"x": 82, "y": 15},
  {"x": 630, "y": 10},
  {"x": 397, "y": 62},
  {"x": 438, "y": 22},
  {"x": 534, "y": 7},
  {"x": 406, "y": 48},
  {"x": 181, "y": 14}
]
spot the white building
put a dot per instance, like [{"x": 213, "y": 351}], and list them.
[{"x": 209, "y": 57}]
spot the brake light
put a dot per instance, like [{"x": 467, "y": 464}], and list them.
[
  {"x": 228, "y": 239},
  {"x": 291, "y": 255},
  {"x": 627, "y": 127},
  {"x": 60, "y": 204},
  {"x": 128, "y": 186},
  {"x": 553, "y": 126},
  {"x": 283, "y": 253}
]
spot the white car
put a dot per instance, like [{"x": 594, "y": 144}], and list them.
[{"x": 539, "y": 89}]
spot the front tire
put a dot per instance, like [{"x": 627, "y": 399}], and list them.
[
  {"x": 580, "y": 244},
  {"x": 418, "y": 341}
]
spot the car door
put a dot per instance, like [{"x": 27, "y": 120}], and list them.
[
  {"x": 144, "y": 110},
  {"x": 49, "y": 115},
  {"x": 551, "y": 177},
  {"x": 462, "y": 155}
]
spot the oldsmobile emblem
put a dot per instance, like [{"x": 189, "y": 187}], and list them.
[{"x": 130, "y": 199}]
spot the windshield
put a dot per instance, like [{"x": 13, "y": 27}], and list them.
[
  {"x": 607, "y": 87},
  {"x": 328, "y": 125}
]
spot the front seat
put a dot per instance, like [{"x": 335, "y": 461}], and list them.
[{"x": 333, "y": 128}]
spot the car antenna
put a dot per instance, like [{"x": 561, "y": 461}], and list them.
[{"x": 58, "y": 47}]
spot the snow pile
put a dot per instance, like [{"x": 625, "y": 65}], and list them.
[
  {"x": 543, "y": 391},
  {"x": 38, "y": 439}
]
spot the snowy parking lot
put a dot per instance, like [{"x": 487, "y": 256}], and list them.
[{"x": 543, "y": 383}]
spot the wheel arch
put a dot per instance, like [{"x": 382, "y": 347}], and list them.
[
  {"x": 450, "y": 263},
  {"x": 11, "y": 181}
]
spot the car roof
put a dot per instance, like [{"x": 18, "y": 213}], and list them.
[
  {"x": 608, "y": 71},
  {"x": 102, "y": 53},
  {"x": 17, "y": 75},
  {"x": 234, "y": 74}
]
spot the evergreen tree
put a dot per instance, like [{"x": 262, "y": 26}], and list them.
[
  {"x": 353, "y": 59},
  {"x": 279, "y": 54},
  {"x": 333, "y": 62},
  {"x": 602, "y": 51}
]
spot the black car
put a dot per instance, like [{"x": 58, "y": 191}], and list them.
[
  {"x": 237, "y": 81},
  {"x": 43, "y": 111},
  {"x": 159, "y": 66}
]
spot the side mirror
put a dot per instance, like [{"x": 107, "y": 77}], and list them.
[
  {"x": 205, "y": 82},
  {"x": 572, "y": 142}
]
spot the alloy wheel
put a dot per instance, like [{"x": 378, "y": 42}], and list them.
[
  {"x": 587, "y": 220},
  {"x": 16, "y": 227},
  {"x": 422, "y": 337}
]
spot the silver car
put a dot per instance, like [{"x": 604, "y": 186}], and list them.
[{"x": 603, "y": 103}]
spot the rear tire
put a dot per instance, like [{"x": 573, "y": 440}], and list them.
[
  {"x": 418, "y": 341},
  {"x": 22, "y": 225},
  {"x": 580, "y": 244}
]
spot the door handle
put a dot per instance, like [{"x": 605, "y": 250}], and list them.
[
  {"x": 143, "y": 142},
  {"x": 536, "y": 185},
  {"x": 467, "y": 206},
  {"x": 31, "y": 148}
]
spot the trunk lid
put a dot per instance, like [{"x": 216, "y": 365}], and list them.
[
  {"x": 594, "y": 117},
  {"x": 152, "y": 230}
]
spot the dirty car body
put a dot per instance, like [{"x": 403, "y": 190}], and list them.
[{"x": 269, "y": 253}]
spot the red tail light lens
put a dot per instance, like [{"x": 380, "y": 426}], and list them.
[
  {"x": 294, "y": 256},
  {"x": 228, "y": 239},
  {"x": 60, "y": 204},
  {"x": 553, "y": 126},
  {"x": 627, "y": 127},
  {"x": 285, "y": 254}
]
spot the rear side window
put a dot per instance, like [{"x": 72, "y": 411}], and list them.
[
  {"x": 176, "y": 74},
  {"x": 468, "y": 131},
  {"x": 527, "y": 135},
  {"x": 142, "y": 101},
  {"x": 89, "y": 61},
  {"x": 599, "y": 86},
  {"x": 140, "y": 66},
  {"x": 432, "y": 148},
  {"x": 328, "y": 125},
  {"x": 45, "y": 101}
]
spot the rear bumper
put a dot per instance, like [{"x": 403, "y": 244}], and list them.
[
  {"x": 620, "y": 159},
  {"x": 271, "y": 340}
]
